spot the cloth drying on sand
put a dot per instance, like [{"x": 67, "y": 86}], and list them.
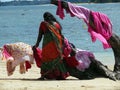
[{"x": 17, "y": 54}]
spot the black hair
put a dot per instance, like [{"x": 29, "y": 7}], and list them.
[{"x": 50, "y": 18}]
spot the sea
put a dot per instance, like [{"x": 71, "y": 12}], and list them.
[{"x": 21, "y": 24}]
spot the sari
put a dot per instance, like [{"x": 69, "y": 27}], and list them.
[{"x": 52, "y": 60}]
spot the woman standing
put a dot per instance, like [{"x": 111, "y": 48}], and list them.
[{"x": 52, "y": 60}]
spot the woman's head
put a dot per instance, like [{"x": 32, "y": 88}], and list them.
[{"x": 49, "y": 17}]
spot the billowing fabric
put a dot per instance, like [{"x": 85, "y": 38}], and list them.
[
  {"x": 74, "y": 10},
  {"x": 52, "y": 66},
  {"x": 103, "y": 25},
  {"x": 103, "y": 28},
  {"x": 18, "y": 54},
  {"x": 79, "y": 11}
]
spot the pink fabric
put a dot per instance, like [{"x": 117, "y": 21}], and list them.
[
  {"x": 103, "y": 29},
  {"x": 60, "y": 10},
  {"x": 98, "y": 36},
  {"x": 102, "y": 23},
  {"x": 66, "y": 48},
  {"x": 6, "y": 55},
  {"x": 83, "y": 58},
  {"x": 74, "y": 10},
  {"x": 79, "y": 11}
]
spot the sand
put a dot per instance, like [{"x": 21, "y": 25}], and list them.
[{"x": 28, "y": 81}]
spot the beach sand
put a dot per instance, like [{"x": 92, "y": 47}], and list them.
[{"x": 28, "y": 81}]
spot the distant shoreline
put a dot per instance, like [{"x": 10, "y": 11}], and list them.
[{"x": 22, "y": 3}]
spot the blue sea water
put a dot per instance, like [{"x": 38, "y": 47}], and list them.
[{"x": 21, "y": 23}]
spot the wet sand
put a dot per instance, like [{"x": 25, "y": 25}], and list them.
[{"x": 28, "y": 81}]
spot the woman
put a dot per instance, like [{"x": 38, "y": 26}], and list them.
[
  {"x": 52, "y": 59},
  {"x": 99, "y": 26}
]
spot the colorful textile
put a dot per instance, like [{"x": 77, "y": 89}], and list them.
[
  {"x": 38, "y": 57},
  {"x": 103, "y": 25},
  {"x": 54, "y": 70},
  {"x": 66, "y": 48},
  {"x": 52, "y": 44},
  {"x": 52, "y": 53},
  {"x": 74, "y": 10},
  {"x": 71, "y": 61},
  {"x": 83, "y": 57},
  {"x": 81, "y": 60},
  {"x": 79, "y": 11},
  {"x": 6, "y": 55},
  {"x": 16, "y": 54},
  {"x": 103, "y": 28},
  {"x": 60, "y": 10}
]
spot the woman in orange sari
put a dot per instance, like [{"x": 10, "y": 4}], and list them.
[{"x": 52, "y": 60}]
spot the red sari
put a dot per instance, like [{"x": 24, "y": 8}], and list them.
[{"x": 52, "y": 65}]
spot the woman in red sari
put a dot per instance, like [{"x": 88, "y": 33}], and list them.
[{"x": 52, "y": 60}]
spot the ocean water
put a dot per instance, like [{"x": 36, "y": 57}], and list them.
[{"x": 21, "y": 23}]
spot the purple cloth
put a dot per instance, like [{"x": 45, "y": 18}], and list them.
[
  {"x": 82, "y": 57},
  {"x": 79, "y": 11}
]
